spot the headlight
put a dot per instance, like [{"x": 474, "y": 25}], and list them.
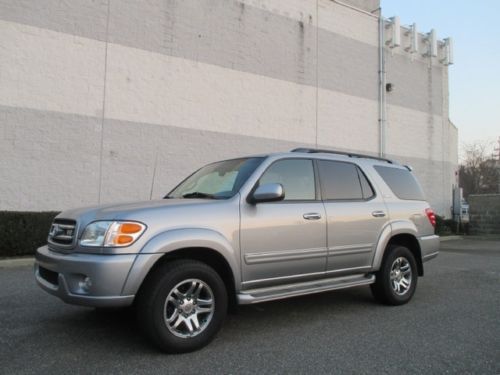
[{"x": 111, "y": 233}]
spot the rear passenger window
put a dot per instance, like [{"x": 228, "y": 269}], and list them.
[
  {"x": 341, "y": 181},
  {"x": 402, "y": 182},
  {"x": 296, "y": 176}
]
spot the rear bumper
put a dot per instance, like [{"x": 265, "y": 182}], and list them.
[
  {"x": 64, "y": 276},
  {"x": 429, "y": 246}
]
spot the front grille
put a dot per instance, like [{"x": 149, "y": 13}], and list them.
[
  {"x": 48, "y": 275},
  {"x": 62, "y": 232}
]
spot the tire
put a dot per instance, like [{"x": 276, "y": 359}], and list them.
[
  {"x": 396, "y": 281},
  {"x": 182, "y": 305}
]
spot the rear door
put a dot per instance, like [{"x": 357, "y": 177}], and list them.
[{"x": 355, "y": 216}]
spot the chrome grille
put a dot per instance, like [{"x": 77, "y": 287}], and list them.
[{"x": 62, "y": 232}]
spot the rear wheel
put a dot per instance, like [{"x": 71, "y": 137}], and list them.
[
  {"x": 396, "y": 280},
  {"x": 182, "y": 305}
]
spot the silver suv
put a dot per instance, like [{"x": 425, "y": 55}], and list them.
[{"x": 244, "y": 231}]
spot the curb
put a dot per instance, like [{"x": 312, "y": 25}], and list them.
[{"x": 16, "y": 262}]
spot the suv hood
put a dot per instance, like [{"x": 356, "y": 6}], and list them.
[{"x": 129, "y": 210}]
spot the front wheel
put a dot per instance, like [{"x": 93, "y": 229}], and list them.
[
  {"x": 182, "y": 305},
  {"x": 396, "y": 280}
]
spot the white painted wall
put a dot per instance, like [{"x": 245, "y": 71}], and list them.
[{"x": 83, "y": 120}]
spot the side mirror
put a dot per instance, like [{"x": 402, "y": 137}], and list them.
[{"x": 267, "y": 193}]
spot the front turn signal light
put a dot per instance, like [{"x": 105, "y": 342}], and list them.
[{"x": 123, "y": 233}]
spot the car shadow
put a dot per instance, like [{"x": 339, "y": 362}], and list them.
[{"x": 118, "y": 329}]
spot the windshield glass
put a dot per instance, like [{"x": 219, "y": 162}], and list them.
[{"x": 219, "y": 180}]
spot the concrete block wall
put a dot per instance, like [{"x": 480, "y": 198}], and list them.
[
  {"x": 484, "y": 213},
  {"x": 94, "y": 94}
]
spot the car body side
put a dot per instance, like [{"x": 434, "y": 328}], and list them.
[{"x": 210, "y": 230}]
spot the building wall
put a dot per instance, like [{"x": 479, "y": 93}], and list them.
[{"x": 94, "y": 95}]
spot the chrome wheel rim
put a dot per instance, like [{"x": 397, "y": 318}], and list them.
[
  {"x": 401, "y": 276},
  {"x": 189, "y": 308}
]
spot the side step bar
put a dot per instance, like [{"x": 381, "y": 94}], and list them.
[{"x": 298, "y": 289}]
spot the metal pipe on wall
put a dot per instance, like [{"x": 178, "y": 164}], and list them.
[
  {"x": 381, "y": 85},
  {"x": 381, "y": 72}
]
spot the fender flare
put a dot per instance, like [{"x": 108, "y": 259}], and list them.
[
  {"x": 175, "y": 239},
  {"x": 390, "y": 230}
]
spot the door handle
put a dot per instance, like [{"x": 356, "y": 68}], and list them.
[
  {"x": 378, "y": 213},
  {"x": 312, "y": 216}
]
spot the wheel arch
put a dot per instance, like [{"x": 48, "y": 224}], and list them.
[
  {"x": 206, "y": 255},
  {"x": 200, "y": 244},
  {"x": 402, "y": 233}
]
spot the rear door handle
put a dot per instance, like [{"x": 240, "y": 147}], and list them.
[
  {"x": 378, "y": 213},
  {"x": 312, "y": 216}
]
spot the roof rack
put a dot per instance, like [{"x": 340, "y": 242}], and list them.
[{"x": 350, "y": 154}]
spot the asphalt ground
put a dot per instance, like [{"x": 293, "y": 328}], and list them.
[{"x": 451, "y": 326}]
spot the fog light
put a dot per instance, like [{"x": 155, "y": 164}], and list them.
[{"x": 85, "y": 284}]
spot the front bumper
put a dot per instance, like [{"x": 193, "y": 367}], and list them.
[
  {"x": 429, "y": 246},
  {"x": 64, "y": 275}
]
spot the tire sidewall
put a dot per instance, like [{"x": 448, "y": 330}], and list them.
[
  {"x": 394, "y": 253},
  {"x": 166, "y": 339}
]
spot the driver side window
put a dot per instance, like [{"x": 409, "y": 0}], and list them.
[{"x": 296, "y": 176}]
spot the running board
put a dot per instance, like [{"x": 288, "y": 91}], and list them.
[{"x": 299, "y": 289}]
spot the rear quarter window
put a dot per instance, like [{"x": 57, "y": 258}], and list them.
[{"x": 402, "y": 183}]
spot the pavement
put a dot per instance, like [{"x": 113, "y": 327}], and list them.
[{"x": 450, "y": 326}]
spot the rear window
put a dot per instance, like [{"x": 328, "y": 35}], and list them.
[
  {"x": 402, "y": 183},
  {"x": 343, "y": 181}
]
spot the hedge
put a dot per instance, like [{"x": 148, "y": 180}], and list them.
[
  {"x": 446, "y": 227},
  {"x": 23, "y": 232}
]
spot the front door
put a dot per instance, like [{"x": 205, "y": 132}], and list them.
[{"x": 284, "y": 240}]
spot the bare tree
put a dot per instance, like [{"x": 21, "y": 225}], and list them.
[{"x": 479, "y": 173}]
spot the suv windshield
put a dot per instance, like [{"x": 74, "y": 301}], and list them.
[{"x": 219, "y": 180}]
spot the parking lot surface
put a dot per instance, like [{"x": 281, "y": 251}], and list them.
[{"x": 451, "y": 326}]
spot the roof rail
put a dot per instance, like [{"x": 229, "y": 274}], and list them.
[{"x": 350, "y": 154}]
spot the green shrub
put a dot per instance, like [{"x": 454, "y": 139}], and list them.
[
  {"x": 23, "y": 232},
  {"x": 442, "y": 227},
  {"x": 446, "y": 227}
]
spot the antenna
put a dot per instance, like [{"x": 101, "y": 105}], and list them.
[
  {"x": 395, "y": 26},
  {"x": 431, "y": 39},
  {"x": 413, "y": 33},
  {"x": 154, "y": 175},
  {"x": 448, "y": 51}
]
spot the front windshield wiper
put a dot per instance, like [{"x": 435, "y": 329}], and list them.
[{"x": 199, "y": 194}]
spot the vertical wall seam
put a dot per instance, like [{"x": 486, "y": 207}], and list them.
[
  {"x": 317, "y": 70},
  {"x": 101, "y": 150},
  {"x": 444, "y": 128}
]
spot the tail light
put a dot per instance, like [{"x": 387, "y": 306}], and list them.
[{"x": 431, "y": 216}]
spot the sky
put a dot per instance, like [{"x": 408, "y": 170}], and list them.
[{"x": 474, "y": 78}]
